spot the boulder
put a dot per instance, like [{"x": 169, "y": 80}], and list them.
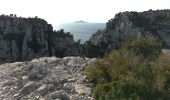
[
  {"x": 44, "y": 89},
  {"x": 28, "y": 88},
  {"x": 82, "y": 89},
  {"x": 38, "y": 73}
]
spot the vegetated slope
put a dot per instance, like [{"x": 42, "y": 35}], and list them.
[
  {"x": 46, "y": 78},
  {"x": 137, "y": 71},
  {"x": 129, "y": 25}
]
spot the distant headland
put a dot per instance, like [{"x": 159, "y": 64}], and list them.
[{"x": 80, "y": 21}]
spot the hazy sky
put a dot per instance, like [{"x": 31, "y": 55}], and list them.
[{"x": 61, "y": 11}]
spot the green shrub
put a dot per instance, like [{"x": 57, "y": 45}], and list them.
[
  {"x": 149, "y": 47},
  {"x": 137, "y": 71}
]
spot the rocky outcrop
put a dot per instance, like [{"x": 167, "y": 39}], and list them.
[
  {"x": 46, "y": 78},
  {"x": 62, "y": 44},
  {"x": 28, "y": 38},
  {"x": 129, "y": 25},
  {"x": 23, "y": 38}
]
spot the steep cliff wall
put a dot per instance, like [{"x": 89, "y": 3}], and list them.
[
  {"x": 27, "y": 38},
  {"x": 129, "y": 25}
]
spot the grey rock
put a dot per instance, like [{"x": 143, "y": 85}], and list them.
[
  {"x": 28, "y": 88},
  {"x": 39, "y": 73},
  {"x": 68, "y": 86},
  {"x": 46, "y": 78},
  {"x": 44, "y": 89},
  {"x": 82, "y": 79},
  {"x": 65, "y": 97},
  {"x": 82, "y": 89}
]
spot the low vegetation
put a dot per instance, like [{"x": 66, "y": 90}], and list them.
[{"x": 137, "y": 71}]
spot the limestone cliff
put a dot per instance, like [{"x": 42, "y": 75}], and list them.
[
  {"x": 27, "y": 38},
  {"x": 129, "y": 25}
]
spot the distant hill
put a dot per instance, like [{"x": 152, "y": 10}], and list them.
[{"x": 80, "y": 21}]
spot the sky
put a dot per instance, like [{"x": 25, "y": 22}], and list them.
[{"x": 56, "y": 12}]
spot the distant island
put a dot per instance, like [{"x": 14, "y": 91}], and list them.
[{"x": 80, "y": 21}]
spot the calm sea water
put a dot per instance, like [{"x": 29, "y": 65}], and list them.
[{"x": 81, "y": 31}]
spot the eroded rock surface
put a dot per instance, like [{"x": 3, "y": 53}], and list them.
[{"x": 46, "y": 78}]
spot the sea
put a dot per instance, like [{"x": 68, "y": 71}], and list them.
[{"x": 82, "y": 31}]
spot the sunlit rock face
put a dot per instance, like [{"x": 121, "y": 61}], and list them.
[
  {"x": 129, "y": 25},
  {"x": 27, "y": 38}
]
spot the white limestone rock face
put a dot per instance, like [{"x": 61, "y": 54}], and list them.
[
  {"x": 129, "y": 25},
  {"x": 46, "y": 78}
]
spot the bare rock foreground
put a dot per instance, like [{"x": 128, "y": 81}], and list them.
[{"x": 47, "y": 78}]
